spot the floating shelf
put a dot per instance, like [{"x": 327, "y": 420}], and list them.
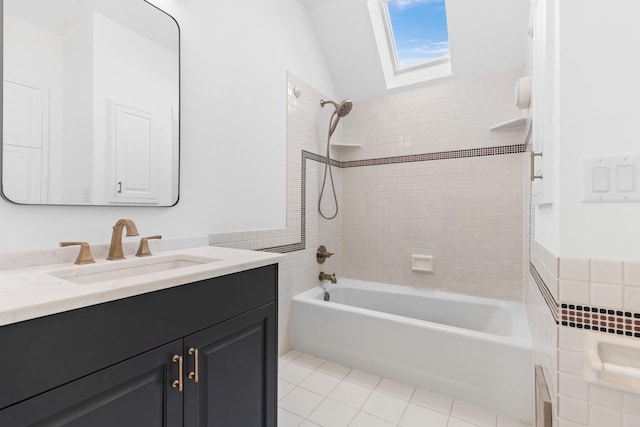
[
  {"x": 510, "y": 124},
  {"x": 339, "y": 145}
]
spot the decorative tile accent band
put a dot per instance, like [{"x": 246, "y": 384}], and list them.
[
  {"x": 601, "y": 319},
  {"x": 544, "y": 290},
  {"x": 303, "y": 208},
  {"x": 586, "y": 317},
  {"x": 443, "y": 155}
]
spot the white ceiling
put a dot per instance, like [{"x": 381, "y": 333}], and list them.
[{"x": 486, "y": 37}]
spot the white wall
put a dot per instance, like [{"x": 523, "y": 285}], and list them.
[
  {"x": 544, "y": 68},
  {"x": 234, "y": 61},
  {"x": 597, "y": 116}
]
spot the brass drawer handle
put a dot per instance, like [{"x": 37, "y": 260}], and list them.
[
  {"x": 194, "y": 374},
  {"x": 178, "y": 383}
]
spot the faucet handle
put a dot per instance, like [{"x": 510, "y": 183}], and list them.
[
  {"x": 143, "y": 249},
  {"x": 322, "y": 254},
  {"x": 85, "y": 256}
]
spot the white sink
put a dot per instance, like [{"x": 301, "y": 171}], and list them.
[{"x": 113, "y": 270}]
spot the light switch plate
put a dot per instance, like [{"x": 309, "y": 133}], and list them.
[
  {"x": 600, "y": 179},
  {"x": 611, "y": 179},
  {"x": 626, "y": 178}
]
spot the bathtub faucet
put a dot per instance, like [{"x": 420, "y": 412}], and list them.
[{"x": 324, "y": 276}]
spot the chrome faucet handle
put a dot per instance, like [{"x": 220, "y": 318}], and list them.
[
  {"x": 85, "y": 256},
  {"x": 322, "y": 254},
  {"x": 143, "y": 249}
]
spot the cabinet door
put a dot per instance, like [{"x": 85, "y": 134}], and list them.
[
  {"x": 135, "y": 393},
  {"x": 236, "y": 372}
]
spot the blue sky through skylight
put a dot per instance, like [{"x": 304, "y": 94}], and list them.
[{"x": 419, "y": 30}]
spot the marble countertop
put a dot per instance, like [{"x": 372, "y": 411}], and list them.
[{"x": 34, "y": 291}]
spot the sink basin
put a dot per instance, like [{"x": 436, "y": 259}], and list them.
[{"x": 96, "y": 273}]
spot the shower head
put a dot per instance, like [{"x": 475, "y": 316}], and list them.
[{"x": 342, "y": 109}]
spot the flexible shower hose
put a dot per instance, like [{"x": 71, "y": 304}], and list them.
[{"x": 327, "y": 165}]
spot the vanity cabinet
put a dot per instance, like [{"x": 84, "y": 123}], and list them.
[{"x": 201, "y": 354}]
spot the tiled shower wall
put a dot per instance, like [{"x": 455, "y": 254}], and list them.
[
  {"x": 466, "y": 211},
  {"x": 570, "y": 300},
  {"x": 307, "y": 125}
]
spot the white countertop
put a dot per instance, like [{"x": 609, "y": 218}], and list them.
[{"x": 31, "y": 292}]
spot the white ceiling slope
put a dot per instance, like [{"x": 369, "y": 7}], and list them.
[{"x": 486, "y": 37}]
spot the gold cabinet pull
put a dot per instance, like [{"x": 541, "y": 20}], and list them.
[
  {"x": 193, "y": 375},
  {"x": 178, "y": 383}
]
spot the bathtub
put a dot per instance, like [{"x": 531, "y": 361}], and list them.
[{"x": 474, "y": 349}]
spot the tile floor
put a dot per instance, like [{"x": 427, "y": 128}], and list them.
[{"x": 313, "y": 392}]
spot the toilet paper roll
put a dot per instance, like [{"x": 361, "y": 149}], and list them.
[{"x": 523, "y": 93}]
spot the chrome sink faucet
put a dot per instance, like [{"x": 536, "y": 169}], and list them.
[
  {"x": 115, "y": 250},
  {"x": 324, "y": 276}
]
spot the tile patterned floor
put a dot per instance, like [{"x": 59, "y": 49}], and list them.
[{"x": 317, "y": 393}]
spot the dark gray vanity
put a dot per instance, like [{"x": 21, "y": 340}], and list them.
[{"x": 199, "y": 354}]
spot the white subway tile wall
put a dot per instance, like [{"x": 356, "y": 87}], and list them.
[
  {"x": 441, "y": 117},
  {"x": 609, "y": 287},
  {"x": 466, "y": 212},
  {"x": 469, "y": 210},
  {"x": 547, "y": 265},
  {"x": 606, "y": 284},
  {"x": 540, "y": 304},
  {"x": 588, "y": 404}
]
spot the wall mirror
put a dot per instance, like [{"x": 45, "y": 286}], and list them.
[{"x": 91, "y": 98}]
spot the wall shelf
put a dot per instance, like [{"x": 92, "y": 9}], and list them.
[
  {"x": 345, "y": 146},
  {"x": 510, "y": 124}
]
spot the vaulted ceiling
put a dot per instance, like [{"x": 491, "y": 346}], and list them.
[{"x": 486, "y": 36}]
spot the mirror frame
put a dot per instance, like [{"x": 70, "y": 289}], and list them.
[{"x": 132, "y": 205}]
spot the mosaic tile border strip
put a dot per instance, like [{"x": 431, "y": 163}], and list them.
[
  {"x": 601, "y": 319},
  {"x": 442, "y": 155},
  {"x": 546, "y": 293},
  {"x": 294, "y": 247}
]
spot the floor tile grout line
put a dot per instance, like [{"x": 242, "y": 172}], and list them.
[
  {"x": 409, "y": 402},
  {"x": 371, "y": 390},
  {"x": 325, "y": 397},
  {"x": 403, "y": 412}
]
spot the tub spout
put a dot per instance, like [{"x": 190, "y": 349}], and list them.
[{"x": 324, "y": 276}]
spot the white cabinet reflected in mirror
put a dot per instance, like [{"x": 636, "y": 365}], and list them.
[{"x": 90, "y": 103}]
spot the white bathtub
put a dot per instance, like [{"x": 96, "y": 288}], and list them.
[{"x": 474, "y": 349}]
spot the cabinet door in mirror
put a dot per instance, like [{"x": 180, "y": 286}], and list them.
[{"x": 91, "y": 97}]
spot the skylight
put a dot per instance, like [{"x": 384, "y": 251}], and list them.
[
  {"x": 412, "y": 39},
  {"x": 418, "y": 31}
]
